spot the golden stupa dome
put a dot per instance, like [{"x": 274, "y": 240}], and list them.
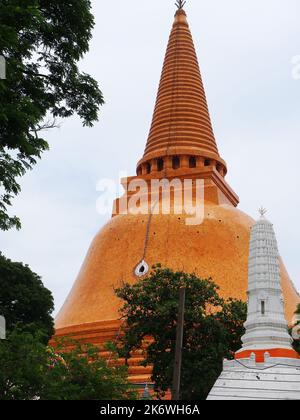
[{"x": 218, "y": 248}]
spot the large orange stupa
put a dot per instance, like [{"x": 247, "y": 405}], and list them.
[{"x": 182, "y": 145}]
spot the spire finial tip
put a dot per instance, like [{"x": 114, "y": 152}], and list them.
[
  {"x": 180, "y": 4},
  {"x": 262, "y": 211}
]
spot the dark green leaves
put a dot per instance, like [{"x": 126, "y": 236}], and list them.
[
  {"x": 24, "y": 301},
  {"x": 29, "y": 371},
  {"x": 212, "y": 328},
  {"x": 42, "y": 42},
  {"x": 296, "y": 343}
]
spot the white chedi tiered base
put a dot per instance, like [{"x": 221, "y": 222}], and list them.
[{"x": 276, "y": 379}]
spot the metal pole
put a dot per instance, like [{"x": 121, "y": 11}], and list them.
[{"x": 179, "y": 343}]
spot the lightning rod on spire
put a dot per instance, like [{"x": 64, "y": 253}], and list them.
[
  {"x": 262, "y": 211},
  {"x": 180, "y": 4}
]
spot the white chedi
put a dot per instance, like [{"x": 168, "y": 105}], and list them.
[
  {"x": 266, "y": 326},
  {"x": 274, "y": 378}
]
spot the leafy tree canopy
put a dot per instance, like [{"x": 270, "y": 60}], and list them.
[
  {"x": 82, "y": 374},
  {"x": 24, "y": 301},
  {"x": 296, "y": 343},
  {"x": 30, "y": 370},
  {"x": 42, "y": 42},
  {"x": 22, "y": 357},
  {"x": 212, "y": 328}
]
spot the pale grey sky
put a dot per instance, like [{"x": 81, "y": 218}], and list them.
[{"x": 245, "y": 50}]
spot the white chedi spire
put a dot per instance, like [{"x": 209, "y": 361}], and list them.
[{"x": 266, "y": 326}]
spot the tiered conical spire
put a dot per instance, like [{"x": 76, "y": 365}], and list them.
[
  {"x": 266, "y": 326},
  {"x": 181, "y": 123}
]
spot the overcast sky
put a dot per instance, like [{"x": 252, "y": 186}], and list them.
[{"x": 245, "y": 49}]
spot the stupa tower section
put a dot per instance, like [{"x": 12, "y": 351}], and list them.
[
  {"x": 182, "y": 145},
  {"x": 181, "y": 133}
]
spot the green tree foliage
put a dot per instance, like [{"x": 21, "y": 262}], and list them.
[
  {"x": 42, "y": 42},
  {"x": 24, "y": 301},
  {"x": 82, "y": 374},
  {"x": 23, "y": 358},
  {"x": 30, "y": 370},
  {"x": 233, "y": 316},
  {"x": 212, "y": 328},
  {"x": 297, "y": 342}
]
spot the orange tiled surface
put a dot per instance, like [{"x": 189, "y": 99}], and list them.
[{"x": 218, "y": 248}]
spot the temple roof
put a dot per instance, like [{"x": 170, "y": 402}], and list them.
[
  {"x": 276, "y": 379},
  {"x": 181, "y": 122}
]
